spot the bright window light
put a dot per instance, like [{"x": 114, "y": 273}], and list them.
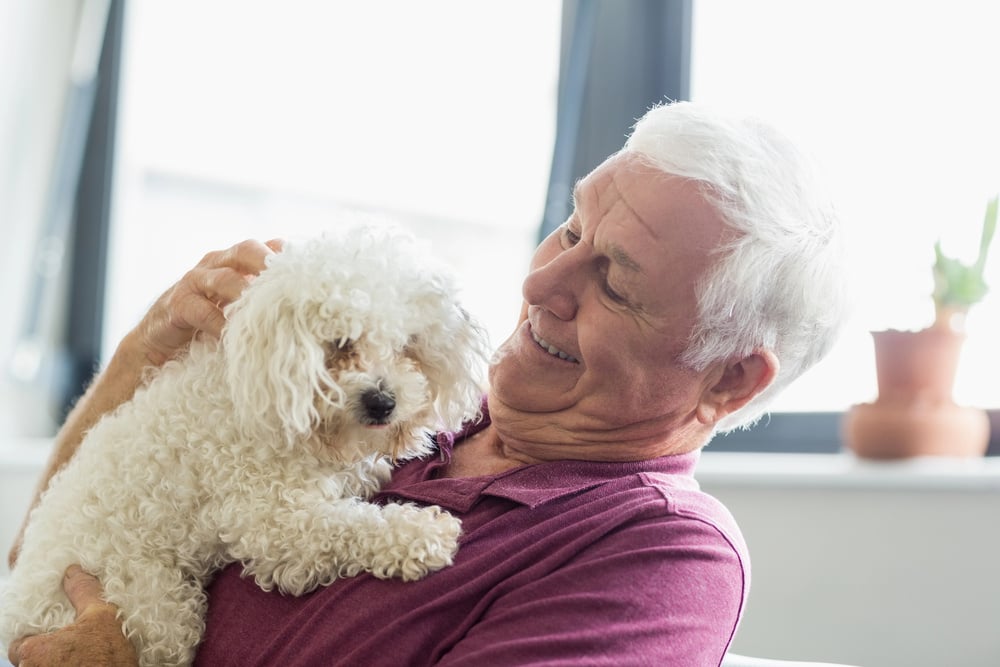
[
  {"x": 254, "y": 119},
  {"x": 260, "y": 119},
  {"x": 899, "y": 101}
]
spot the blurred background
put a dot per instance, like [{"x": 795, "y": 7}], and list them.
[
  {"x": 210, "y": 122},
  {"x": 137, "y": 135}
]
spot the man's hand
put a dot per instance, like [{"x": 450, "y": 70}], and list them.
[
  {"x": 195, "y": 303},
  {"x": 95, "y": 638}
]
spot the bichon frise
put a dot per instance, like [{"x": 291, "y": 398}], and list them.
[{"x": 262, "y": 448}]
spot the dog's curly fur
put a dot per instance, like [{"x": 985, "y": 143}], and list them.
[{"x": 263, "y": 448}]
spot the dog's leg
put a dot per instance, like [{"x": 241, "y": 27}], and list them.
[
  {"x": 306, "y": 547},
  {"x": 162, "y": 612},
  {"x": 32, "y": 602},
  {"x": 417, "y": 541}
]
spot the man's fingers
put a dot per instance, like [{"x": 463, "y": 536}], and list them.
[
  {"x": 82, "y": 589},
  {"x": 247, "y": 257},
  {"x": 220, "y": 285},
  {"x": 219, "y": 279},
  {"x": 194, "y": 306}
]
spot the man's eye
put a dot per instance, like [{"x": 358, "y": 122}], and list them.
[
  {"x": 613, "y": 295},
  {"x": 570, "y": 237}
]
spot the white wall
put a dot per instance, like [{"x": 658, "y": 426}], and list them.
[{"x": 891, "y": 565}]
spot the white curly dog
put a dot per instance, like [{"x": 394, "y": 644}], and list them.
[{"x": 262, "y": 448}]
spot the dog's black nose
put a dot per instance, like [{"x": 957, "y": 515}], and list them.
[{"x": 378, "y": 404}]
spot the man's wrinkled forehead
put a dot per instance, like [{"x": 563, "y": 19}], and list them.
[{"x": 671, "y": 208}]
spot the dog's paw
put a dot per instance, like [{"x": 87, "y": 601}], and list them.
[{"x": 419, "y": 540}]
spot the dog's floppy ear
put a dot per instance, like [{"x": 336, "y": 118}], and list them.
[
  {"x": 275, "y": 363},
  {"x": 454, "y": 353}
]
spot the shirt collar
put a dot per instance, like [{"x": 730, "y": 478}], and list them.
[{"x": 537, "y": 484}]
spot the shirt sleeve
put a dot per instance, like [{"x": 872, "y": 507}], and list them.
[{"x": 656, "y": 592}]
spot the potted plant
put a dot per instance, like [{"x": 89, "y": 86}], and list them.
[
  {"x": 958, "y": 286},
  {"x": 914, "y": 414}
]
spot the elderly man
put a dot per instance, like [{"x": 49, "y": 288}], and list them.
[{"x": 699, "y": 273}]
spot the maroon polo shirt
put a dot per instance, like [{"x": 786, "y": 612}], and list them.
[{"x": 573, "y": 563}]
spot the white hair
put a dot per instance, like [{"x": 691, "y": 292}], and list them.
[{"x": 780, "y": 282}]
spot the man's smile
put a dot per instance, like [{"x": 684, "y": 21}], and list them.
[{"x": 552, "y": 349}]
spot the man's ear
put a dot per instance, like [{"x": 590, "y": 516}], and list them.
[{"x": 736, "y": 383}]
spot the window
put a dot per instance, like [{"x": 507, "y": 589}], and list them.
[
  {"x": 900, "y": 104},
  {"x": 250, "y": 119}
]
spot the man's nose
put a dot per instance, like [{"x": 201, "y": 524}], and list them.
[{"x": 554, "y": 285}]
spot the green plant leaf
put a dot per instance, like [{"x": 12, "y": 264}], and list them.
[{"x": 958, "y": 285}]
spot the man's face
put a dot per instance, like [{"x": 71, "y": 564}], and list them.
[{"x": 610, "y": 303}]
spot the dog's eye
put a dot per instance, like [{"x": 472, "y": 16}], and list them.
[{"x": 341, "y": 347}]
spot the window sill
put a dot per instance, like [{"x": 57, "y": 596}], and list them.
[
  {"x": 762, "y": 469},
  {"x": 844, "y": 470}
]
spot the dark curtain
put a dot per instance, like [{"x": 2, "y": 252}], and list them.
[
  {"x": 91, "y": 221},
  {"x": 617, "y": 60}
]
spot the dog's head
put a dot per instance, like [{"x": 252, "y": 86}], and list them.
[{"x": 356, "y": 338}]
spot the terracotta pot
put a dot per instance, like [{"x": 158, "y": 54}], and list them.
[
  {"x": 916, "y": 366},
  {"x": 914, "y": 414}
]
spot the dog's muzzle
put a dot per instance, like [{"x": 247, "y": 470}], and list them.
[{"x": 378, "y": 405}]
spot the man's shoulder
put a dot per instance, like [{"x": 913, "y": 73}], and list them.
[{"x": 684, "y": 499}]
